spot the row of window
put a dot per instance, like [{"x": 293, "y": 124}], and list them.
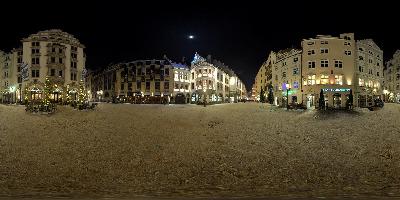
[
  {"x": 370, "y": 52},
  {"x": 181, "y": 86},
  {"x": 142, "y": 71},
  {"x": 325, "y": 51},
  {"x": 325, "y": 63},
  {"x": 370, "y": 71},
  {"x": 53, "y": 72},
  {"x": 147, "y": 85},
  {"x": 53, "y": 60},
  {"x": 35, "y": 73},
  {"x": 369, "y": 60},
  {"x": 346, "y": 43},
  {"x": 180, "y": 75},
  {"x": 370, "y": 83},
  {"x": 324, "y": 79}
]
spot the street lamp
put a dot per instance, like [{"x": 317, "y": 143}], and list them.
[
  {"x": 205, "y": 96},
  {"x": 287, "y": 95},
  {"x": 12, "y": 90}
]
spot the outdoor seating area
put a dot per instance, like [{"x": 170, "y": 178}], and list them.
[
  {"x": 36, "y": 107},
  {"x": 84, "y": 106}
]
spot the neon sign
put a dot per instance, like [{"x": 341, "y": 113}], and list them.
[{"x": 336, "y": 90}]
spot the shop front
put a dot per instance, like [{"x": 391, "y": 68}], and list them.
[{"x": 336, "y": 97}]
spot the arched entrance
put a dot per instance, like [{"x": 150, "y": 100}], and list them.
[{"x": 34, "y": 92}]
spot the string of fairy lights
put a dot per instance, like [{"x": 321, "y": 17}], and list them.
[{"x": 49, "y": 89}]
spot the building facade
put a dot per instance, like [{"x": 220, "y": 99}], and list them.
[
  {"x": 328, "y": 64},
  {"x": 369, "y": 72},
  {"x": 212, "y": 81},
  {"x": 264, "y": 75},
  {"x": 392, "y": 79},
  {"x": 141, "y": 81},
  {"x": 54, "y": 54},
  {"x": 182, "y": 82},
  {"x": 334, "y": 65},
  {"x": 286, "y": 74},
  {"x": 10, "y": 76}
]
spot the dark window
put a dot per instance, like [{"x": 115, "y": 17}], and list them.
[
  {"x": 53, "y": 50},
  {"x": 35, "y": 73},
  {"x": 167, "y": 71},
  {"x": 53, "y": 59},
  {"x": 157, "y": 86},
  {"x": 60, "y": 60},
  {"x": 166, "y": 85},
  {"x": 122, "y": 86},
  {"x": 59, "y": 50},
  {"x": 60, "y": 73},
  {"x": 147, "y": 85},
  {"x": 52, "y": 72},
  {"x": 130, "y": 86},
  {"x": 192, "y": 86},
  {"x": 138, "y": 85}
]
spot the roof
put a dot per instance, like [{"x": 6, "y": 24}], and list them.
[{"x": 179, "y": 65}]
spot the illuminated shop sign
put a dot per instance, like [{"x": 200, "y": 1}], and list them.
[
  {"x": 295, "y": 84},
  {"x": 336, "y": 90}
]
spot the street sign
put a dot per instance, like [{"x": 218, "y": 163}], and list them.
[{"x": 336, "y": 90}]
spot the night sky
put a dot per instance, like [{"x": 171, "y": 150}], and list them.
[{"x": 239, "y": 35}]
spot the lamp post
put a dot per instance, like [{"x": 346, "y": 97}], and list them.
[
  {"x": 13, "y": 94},
  {"x": 287, "y": 95},
  {"x": 205, "y": 96}
]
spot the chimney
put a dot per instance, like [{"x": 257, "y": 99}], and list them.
[{"x": 183, "y": 60}]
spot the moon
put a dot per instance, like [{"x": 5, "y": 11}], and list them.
[{"x": 191, "y": 36}]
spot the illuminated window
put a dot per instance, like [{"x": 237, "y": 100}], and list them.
[
  {"x": 324, "y": 79},
  {"x": 361, "y": 82},
  {"x": 338, "y": 79},
  {"x": 311, "y": 80},
  {"x": 176, "y": 76}
]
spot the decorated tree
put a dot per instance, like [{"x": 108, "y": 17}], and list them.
[
  {"x": 47, "y": 90},
  {"x": 350, "y": 100},
  {"x": 321, "y": 100},
  {"x": 262, "y": 96},
  {"x": 270, "y": 95},
  {"x": 82, "y": 95}
]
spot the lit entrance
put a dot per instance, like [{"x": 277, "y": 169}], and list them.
[{"x": 337, "y": 100}]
